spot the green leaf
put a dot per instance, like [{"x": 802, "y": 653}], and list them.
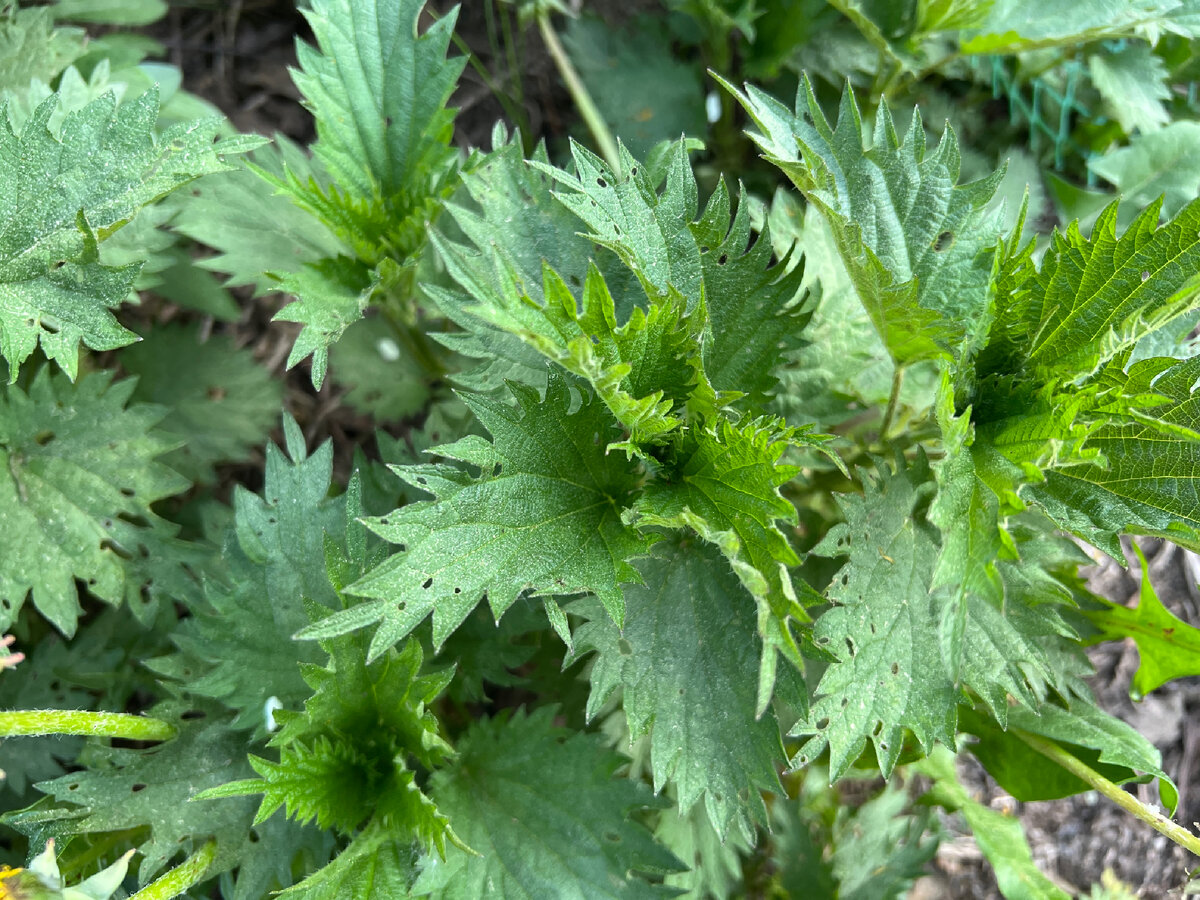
[
  {"x": 111, "y": 12},
  {"x": 1168, "y": 647},
  {"x": 254, "y": 228},
  {"x": 917, "y": 245},
  {"x": 80, "y": 475},
  {"x": 1144, "y": 478},
  {"x": 131, "y": 788},
  {"x": 1132, "y": 83},
  {"x": 1016, "y": 25},
  {"x": 32, "y": 46},
  {"x": 331, "y": 295},
  {"x": 222, "y": 403},
  {"x": 384, "y": 382},
  {"x": 1162, "y": 163},
  {"x": 549, "y": 521},
  {"x": 716, "y": 864},
  {"x": 753, "y": 307},
  {"x": 887, "y": 674},
  {"x": 547, "y": 816},
  {"x": 1000, "y": 837},
  {"x": 1106, "y": 744},
  {"x": 1091, "y": 298},
  {"x": 379, "y": 864},
  {"x": 723, "y": 484},
  {"x": 285, "y": 529},
  {"x": 687, "y": 649},
  {"x": 65, "y": 192},
  {"x": 378, "y": 92}
]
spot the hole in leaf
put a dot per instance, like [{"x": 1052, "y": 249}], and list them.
[
  {"x": 136, "y": 520},
  {"x": 191, "y": 714},
  {"x": 42, "y": 438},
  {"x": 1145, "y": 276},
  {"x": 633, "y": 171},
  {"x": 895, "y": 668},
  {"x": 458, "y": 590},
  {"x": 115, "y": 548},
  {"x": 822, "y": 723},
  {"x": 722, "y": 259},
  {"x": 602, "y": 182},
  {"x": 137, "y": 788},
  {"x": 850, "y": 646},
  {"x": 428, "y": 583},
  {"x": 943, "y": 241},
  {"x": 127, "y": 492}
]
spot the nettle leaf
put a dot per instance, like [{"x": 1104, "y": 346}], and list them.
[
  {"x": 755, "y": 308},
  {"x": 285, "y": 529},
  {"x": 33, "y": 46},
  {"x": 1092, "y": 298},
  {"x": 546, "y": 815},
  {"x": 254, "y": 228},
  {"x": 511, "y": 215},
  {"x": 1000, "y": 837},
  {"x": 887, "y": 674},
  {"x": 1016, "y": 25},
  {"x": 1104, "y": 743},
  {"x": 1132, "y": 82},
  {"x": 346, "y": 758},
  {"x": 378, "y": 92},
  {"x": 543, "y": 515},
  {"x": 723, "y": 484},
  {"x": 917, "y": 245},
  {"x": 222, "y": 403},
  {"x": 688, "y": 648},
  {"x": 80, "y": 475},
  {"x": 1144, "y": 479},
  {"x": 127, "y": 789},
  {"x": 1162, "y": 163},
  {"x": 331, "y": 295},
  {"x": 379, "y": 864},
  {"x": 67, "y": 191},
  {"x": 642, "y": 370},
  {"x": 1168, "y": 647}
]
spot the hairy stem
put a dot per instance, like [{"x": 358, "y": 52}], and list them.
[
  {"x": 22, "y": 722},
  {"x": 579, "y": 93},
  {"x": 180, "y": 878},
  {"x": 1113, "y": 792}
]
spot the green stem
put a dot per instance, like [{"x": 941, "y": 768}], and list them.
[
  {"x": 180, "y": 878},
  {"x": 579, "y": 93},
  {"x": 893, "y": 401},
  {"x": 1113, "y": 792},
  {"x": 21, "y": 722}
]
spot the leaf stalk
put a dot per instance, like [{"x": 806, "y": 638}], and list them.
[
  {"x": 1113, "y": 792},
  {"x": 579, "y": 93},
  {"x": 180, "y": 878}
]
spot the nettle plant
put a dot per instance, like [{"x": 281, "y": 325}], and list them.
[{"x": 795, "y": 485}]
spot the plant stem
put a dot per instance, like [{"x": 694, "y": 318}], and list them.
[
  {"x": 893, "y": 401},
  {"x": 579, "y": 93},
  {"x": 1113, "y": 792},
  {"x": 21, "y": 722},
  {"x": 180, "y": 878}
]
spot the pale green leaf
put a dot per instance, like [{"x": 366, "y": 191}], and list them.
[
  {"x": 65, "y": 192},
  {"x": 1132, "y": 82},
  {"x": 379, "y": 864},
  {"x": 1164, "y": 163},
  {"x": 80, "y": 475},
  {"x": 1016, "y": 25},
  {"x": 1168, "y": 647},
  {"x": 1000, "y": 837}
]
